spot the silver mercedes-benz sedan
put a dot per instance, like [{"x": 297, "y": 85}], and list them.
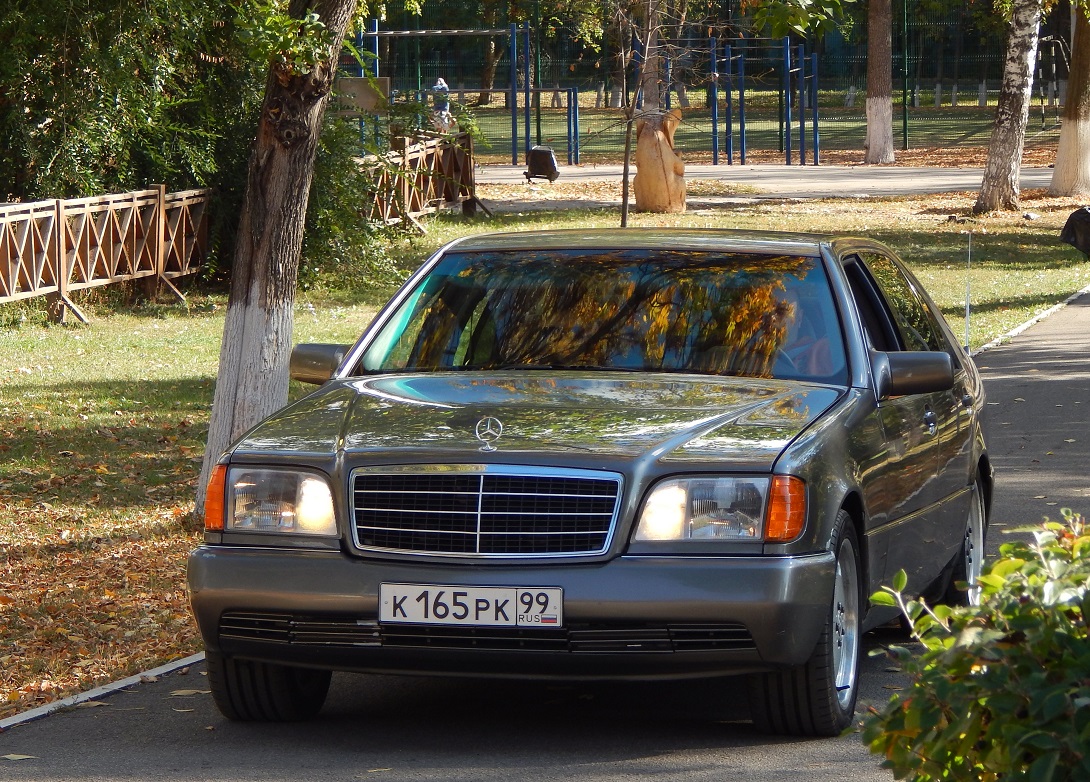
[{"x": 606, "y": 454}]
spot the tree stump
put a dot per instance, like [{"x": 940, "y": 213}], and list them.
[{"x": 659, "y": 184}]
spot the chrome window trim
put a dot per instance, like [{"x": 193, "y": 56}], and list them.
[{"x": 481, "y": 470}]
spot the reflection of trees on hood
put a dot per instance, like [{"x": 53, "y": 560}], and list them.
[{"x": 661, "y": 310}]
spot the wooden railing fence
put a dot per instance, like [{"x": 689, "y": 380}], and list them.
[
  {"x": 425, "y": 176},
  {"x": 57, "y": 247}
]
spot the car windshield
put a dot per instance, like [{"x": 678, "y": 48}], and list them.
[{"x": 732, "y": 314}]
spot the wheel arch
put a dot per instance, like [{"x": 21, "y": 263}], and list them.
[{"x": 986, "y": 474}]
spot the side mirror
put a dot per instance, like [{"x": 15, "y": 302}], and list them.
[
  {"x": 316, "y": 363},
  {"x": 911, "y": 372}
]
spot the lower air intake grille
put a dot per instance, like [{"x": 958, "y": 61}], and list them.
[
  {"x": 586, "y": 639},
  {"x": 485, "y": 511}
]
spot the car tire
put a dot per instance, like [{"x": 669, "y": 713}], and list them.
[
  {"x": 818, "y": 697},
  {"x": 969, "y": 565},
  {"x": 249, "y": 691}
]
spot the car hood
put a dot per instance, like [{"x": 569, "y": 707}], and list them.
[{"x": 600, "y": 414}]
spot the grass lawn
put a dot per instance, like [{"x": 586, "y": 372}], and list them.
[
  {"x": 102, "y": 427},
  {"x": 841, "y": 129}
]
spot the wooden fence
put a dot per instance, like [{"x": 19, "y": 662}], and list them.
[
  {"x": 428, "y": 175},
  {"x": 57, "y": 247}
]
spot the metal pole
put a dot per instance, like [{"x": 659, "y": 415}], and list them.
[
  {"x": 742, "y": 107},
  {"x": 372, "y": 26},
  {"x": 714, "y": 101},
  {"x": 512, "y": 45},
  {"x": 575, "y": 111},
  {"x": 416, "y": 59},
  {"x": 786, "y": 98},
  {"x": 537, "y": 67},
  {"x": 527, "y": 85},
  {"x": 730, "y": 121},
  {"x": 802, "y": 108},
  {"x": 571, "y": 123},
  {"x": 666, "y": 74},
  {"x": 814, "y": 105},
  {"x": 904, "y": 84}
]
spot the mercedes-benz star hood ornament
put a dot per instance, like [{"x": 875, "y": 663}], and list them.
[{"x": 488, "y": 431}]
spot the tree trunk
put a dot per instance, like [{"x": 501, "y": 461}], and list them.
[
  {"x": 878, "y": 147},
  {"x": 618, "y": 39},
  {"x": 488, "y": 73},
  {"x": 1071, "y": 175},
  {"x": 1000, "y": 188},
  {"x": 253, "y": 371}
]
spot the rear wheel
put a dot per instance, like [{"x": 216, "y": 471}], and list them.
[
  {"x": 970, "y": 562},
  {"x": 248, "y": 691},
  {"x": 818, "y": 697}
]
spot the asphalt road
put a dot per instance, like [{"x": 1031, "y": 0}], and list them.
[{"x": 387, "y": 728}]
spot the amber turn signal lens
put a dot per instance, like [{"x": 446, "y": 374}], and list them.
[
  {"x": 786, "y": 509},
  {"x": 214, "y": 499}
]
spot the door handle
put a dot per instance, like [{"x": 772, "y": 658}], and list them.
[{"x": 931, "y": 421}]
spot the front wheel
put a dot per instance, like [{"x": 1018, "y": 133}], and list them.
[
  {"x": 969, "y": 566},
  {"x": 818, "y": 697},
  {"x": 249, "y": 691}
]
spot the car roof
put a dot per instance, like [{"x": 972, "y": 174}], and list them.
[{"x": 704, "y": 239}]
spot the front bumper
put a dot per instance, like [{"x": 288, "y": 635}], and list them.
[{"x": 631, "y": 617}]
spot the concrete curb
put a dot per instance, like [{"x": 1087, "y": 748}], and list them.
[{"x": 98, "y": 692}]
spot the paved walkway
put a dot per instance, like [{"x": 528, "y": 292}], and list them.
[
  {"x": 1038, "y": 420},
  {"x": 779, "y": 181}
]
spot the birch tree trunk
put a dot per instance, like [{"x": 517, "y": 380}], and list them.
[
  {"x": 878, "y": 147},
  {"x": 1000, "y": 189},
  {"x": 253, "y": 371},
  {"x": 1071, "y": 176}
]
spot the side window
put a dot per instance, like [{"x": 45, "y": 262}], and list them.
[
  {"x": 878, "y": 325},
  {"x": 917, "y": 324},
  {"x": 912, "y": 319}
]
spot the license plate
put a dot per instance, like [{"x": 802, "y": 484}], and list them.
[{"x": 433, "y": 604}]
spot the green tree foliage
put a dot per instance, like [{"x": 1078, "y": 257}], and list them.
[
  {"x": 106, "y": 95},
  {"x": 102, "y": 96},
  {"x": 779, "y": 18},
  {"x": 1001, "y": 690}
]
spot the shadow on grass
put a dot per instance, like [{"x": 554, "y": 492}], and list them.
[{"x": 1033, "y": 302}]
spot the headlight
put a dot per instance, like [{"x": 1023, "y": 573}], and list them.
[
  {"x": 724, "y": 508},
  {"x": 271, "y": 500}
]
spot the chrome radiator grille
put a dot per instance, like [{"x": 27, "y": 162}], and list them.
[{"x": 485, "y": 511}]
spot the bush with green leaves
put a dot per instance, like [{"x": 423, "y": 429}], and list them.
[
  {"x": 342, "y": 249},
  {"x": 1000, "y": 691}
]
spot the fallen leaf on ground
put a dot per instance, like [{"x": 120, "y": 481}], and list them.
[
  {"x": 18, "y": 757},
  {"x": 180, "y": 693}
]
